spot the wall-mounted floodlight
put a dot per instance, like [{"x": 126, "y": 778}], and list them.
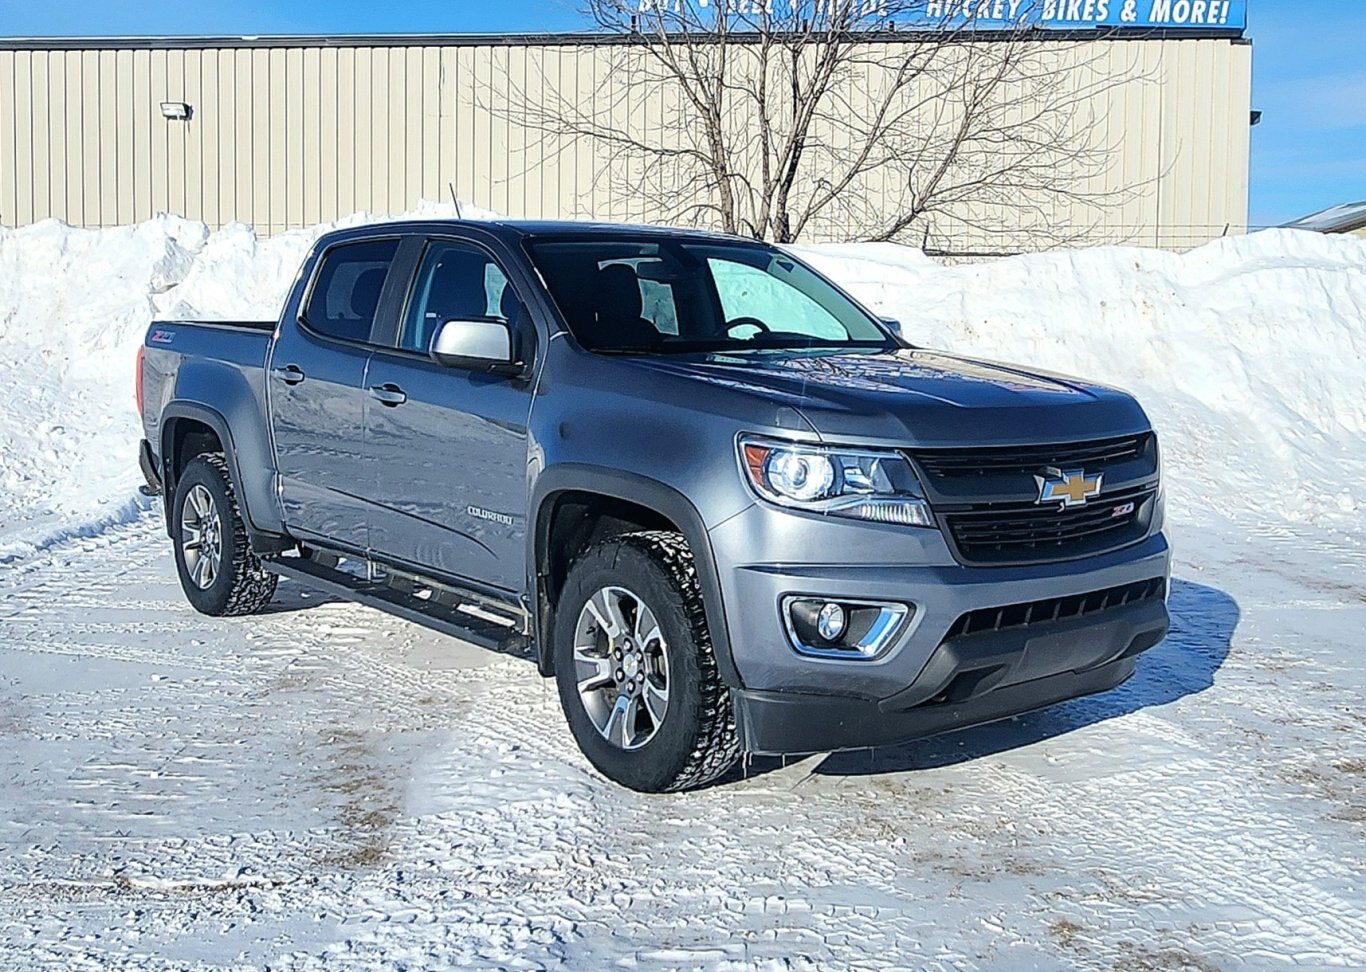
[{"x": 176, "y": 111}]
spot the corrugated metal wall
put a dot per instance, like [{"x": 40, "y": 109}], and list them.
[{"x": 288, "y": 136}]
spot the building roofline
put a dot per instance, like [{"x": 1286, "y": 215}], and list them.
[
  {"x": 1346, "y": 218},
  {"x": 571, "y": 39}
]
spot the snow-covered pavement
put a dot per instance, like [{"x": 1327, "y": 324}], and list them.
[{"x": 326, "y": 786}]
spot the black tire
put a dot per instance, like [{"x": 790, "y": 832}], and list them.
[
  {"x": 240, "y": 585},
  {"x": 695, "y": 742}
]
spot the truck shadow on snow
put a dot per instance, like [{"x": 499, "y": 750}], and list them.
[
  {"x": 1203, "y": 622},
  {"x": 291, "y": 597}
]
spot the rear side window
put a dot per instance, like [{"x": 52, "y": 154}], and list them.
[{"x": 346, "y": 295}]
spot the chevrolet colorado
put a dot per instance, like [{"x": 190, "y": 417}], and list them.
[{"x": 727, "y": 508}]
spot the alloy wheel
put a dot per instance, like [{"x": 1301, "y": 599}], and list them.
[
  {"x": 621, "y": 663},
  {"x": 201, "y": 537}
]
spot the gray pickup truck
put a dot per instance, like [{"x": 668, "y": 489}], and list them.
[{"x": 727, "y": 508}]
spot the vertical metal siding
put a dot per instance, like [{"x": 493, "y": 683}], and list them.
[
  {"x": 283, "y": 137},
  {"x": 9, "y": 185}
]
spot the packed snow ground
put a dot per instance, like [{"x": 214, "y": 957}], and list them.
[{"x": 324, "y": 786}]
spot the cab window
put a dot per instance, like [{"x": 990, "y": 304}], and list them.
[
  {"x": 455, "y": 282},
  {"x": 346, "y": 292}
]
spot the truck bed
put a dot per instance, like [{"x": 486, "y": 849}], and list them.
[
  {"x": 218, "y": 364},
  {"x": 219, "y": 325},
  {"x": 173, "y": 345}
]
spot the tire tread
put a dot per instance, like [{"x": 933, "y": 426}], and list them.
[
  {"x": 716, "y": 748},
  {"x": 253, "y": 586}
]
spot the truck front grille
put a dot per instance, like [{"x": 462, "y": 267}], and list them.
[
  {"x": 1056, "y": 608},
  {"x": 988, "y": 500},
  {"x": 1034, "y": 534},
  {"x": 950, "y": 463}
]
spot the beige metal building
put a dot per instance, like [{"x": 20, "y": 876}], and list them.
[{"x": 285, "y": 132}]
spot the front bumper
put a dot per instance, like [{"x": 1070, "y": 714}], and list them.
[
  {"x": 970, "y": 680},
  {"x": 931, "y": 679}
]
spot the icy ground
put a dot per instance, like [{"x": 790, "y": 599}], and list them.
[{"x": 328, "y": 787}]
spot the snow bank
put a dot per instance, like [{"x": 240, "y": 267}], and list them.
[
  {"x": 74, "y": 307},
  {"x": 1247, "y": 353}
]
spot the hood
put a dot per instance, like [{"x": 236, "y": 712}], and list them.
[{"x": 920, "y": 398}]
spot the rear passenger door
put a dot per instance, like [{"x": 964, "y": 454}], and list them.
[
  {"x": 450, "y": 446},
  {"x": 316, "y": 378}
]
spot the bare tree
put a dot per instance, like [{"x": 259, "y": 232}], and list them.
[{"x": 868, "y": 119}]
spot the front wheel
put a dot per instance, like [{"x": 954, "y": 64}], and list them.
[
  {"x": 635, "y": 667},
  {"x": 218, "y": 571}
]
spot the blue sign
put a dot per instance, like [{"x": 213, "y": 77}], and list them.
[{"x": 1081, "y": 14}]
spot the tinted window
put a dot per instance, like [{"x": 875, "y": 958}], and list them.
[
  {"x": 456, "y": 282},
  {"x": 684, "y": 296},
  {"x": 657, "y": 306},
  {"x": 346, "y": 294}
]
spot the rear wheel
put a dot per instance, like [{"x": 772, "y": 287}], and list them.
[
  {"x": 635, "y": 668},
  {"x": 218, "y": 571}
]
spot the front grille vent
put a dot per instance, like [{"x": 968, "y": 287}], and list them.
[
  {"x": 1056, "y": 608},
  {"x": 1033, "y": 534},
  {"x": 951, "y": 463}
]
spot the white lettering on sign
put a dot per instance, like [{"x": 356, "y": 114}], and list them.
[
  {"x": 1076, "y": 11},
  {"x": 1209, "y": 13},
  {"x": 979, "y": 9},
  {"x": 864, "y": 8},
  {"x": 1045, "y": 13}
]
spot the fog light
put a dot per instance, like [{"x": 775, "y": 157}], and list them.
[
  {"x": 850, "y": 629},
  {"x": 830, "y": 623}
]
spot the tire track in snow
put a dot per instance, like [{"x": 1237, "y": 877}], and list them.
[{"x": 328, "y": 787}]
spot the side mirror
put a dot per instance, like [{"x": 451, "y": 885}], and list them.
[
  {"x": 891, "y": 324},
  {"x": 475, "y": 346}
]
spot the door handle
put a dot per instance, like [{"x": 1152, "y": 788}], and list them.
[
  {"x": 390, "y": 395},
  {"x": 290, "y": 374}
]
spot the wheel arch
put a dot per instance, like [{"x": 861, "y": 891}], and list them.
[
  {"x": 633, "y": 501},
  {"x": 187, "y": 430}
]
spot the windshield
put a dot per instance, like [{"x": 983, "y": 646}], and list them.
[{"x": 627, "y": 296}]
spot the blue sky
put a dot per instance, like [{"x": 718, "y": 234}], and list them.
[{"x": 1309, "y": 76}]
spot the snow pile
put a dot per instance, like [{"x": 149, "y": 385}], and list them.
[
  {"x": 1247, "y": 353},
  {"x": 74, "y": 307},
  {"x": 240, "y": 277}
]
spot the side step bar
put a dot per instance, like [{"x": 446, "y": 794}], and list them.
[{"x": 433, "y": 606}]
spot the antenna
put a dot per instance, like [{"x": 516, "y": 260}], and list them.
[{"x": 451, "y": 187}]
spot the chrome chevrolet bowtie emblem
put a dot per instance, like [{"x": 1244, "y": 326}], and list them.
[{"x": 1070, "y": 489}]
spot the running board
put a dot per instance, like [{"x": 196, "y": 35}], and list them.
[{"x": 432, "y": 606}]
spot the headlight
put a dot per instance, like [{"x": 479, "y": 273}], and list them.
[{"x": 864, "y": 484}]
